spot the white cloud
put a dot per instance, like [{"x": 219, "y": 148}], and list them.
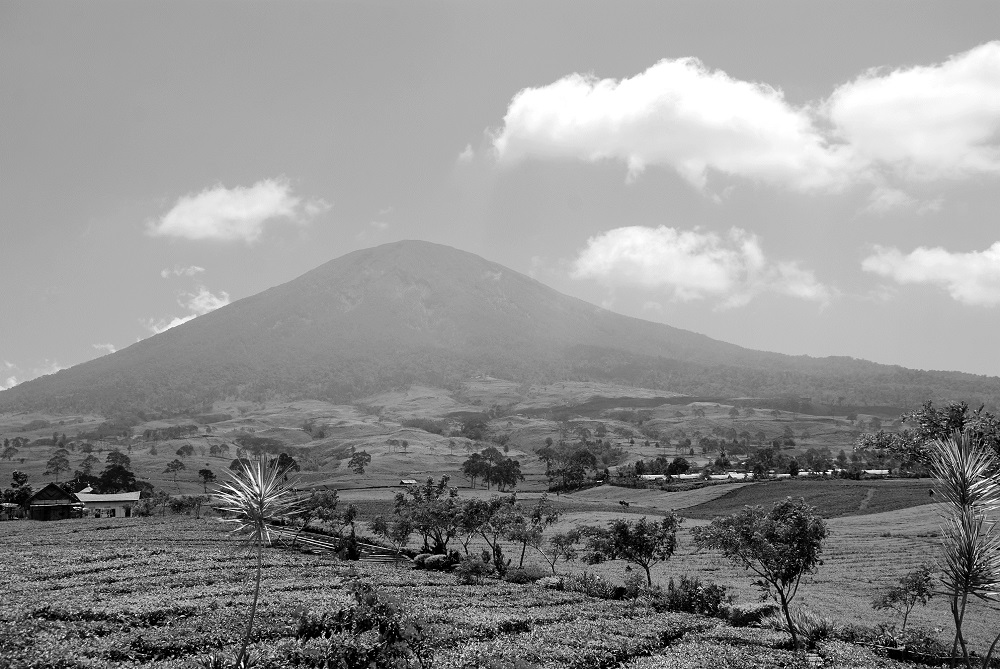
[
  {"x": 178, "y": 270},
  {"x": 197, "y": 304},
  {"x": 16, "y": 375},
  {"x": 467, "y": 154},
  {"x": 917, "y": 124},
  {"x": 106, "y": 349},
  {"x": 693, "y": 265},
  {"x": 928, "y": 122},
  {"x": 679, "y": 114},
  {"x": 971, "y": 278},
  {"x": 234, "y": 214}
]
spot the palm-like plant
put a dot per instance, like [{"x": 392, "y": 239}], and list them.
[
  {"x": 965, "y": 470},
  {"x": 256, "y": 495}
]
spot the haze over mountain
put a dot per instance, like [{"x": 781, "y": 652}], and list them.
[{"x": 413, "y": 311}]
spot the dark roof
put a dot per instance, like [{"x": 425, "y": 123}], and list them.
[{"x": 52, "y": 495}]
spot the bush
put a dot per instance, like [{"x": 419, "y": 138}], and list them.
[
  {"x": 690, "y": 595},
  {"x": 437, "y": 563},
  {"x": 550, "y": 582},
  {"x": 473, "y": 571},
  {"x": 525, "y": 575},
  {"x": 744, "y": 615},
  {"x": 812, "y": 627},
  {"x": 591, "y": 585}
]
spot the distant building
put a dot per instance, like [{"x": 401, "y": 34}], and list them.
[
  {"x": 407, "y": 482},
  {"x": 114, "y": 505},
  {"x": 53, "y": 503}
]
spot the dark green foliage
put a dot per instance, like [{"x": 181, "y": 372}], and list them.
[
  {"x": 690, "y": 595},
  {"x": 427, "y": 425},
  {"x": 913, "y": 588},
  {"x": 642, "y": 543}
]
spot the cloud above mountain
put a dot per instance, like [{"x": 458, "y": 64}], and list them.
[
  {"x": 909, "y": 125},
  {"x": 693, "y": 265},
  {"x": 198, "y": 303},
  {"x": 236, "y": 214}
]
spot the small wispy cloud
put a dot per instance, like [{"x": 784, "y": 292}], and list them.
[
  {"x": 105, "y": 349},
  {"x": 197, "y": 304},
  {"x": 178, "y": 270},
  {"x": 467, "y": 154},
  {"x": 235, "y": 214},
  {"x": 15, "y": 374}
]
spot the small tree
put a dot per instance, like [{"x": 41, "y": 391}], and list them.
[
  {"x": 321, "y": 505},
  {"x": 207, "y": 476},
  {"x": 173, "y": 467},
  {"x": 561, "y": 546},
  {"x": 913, "y": 588},
  {"x": 56, "y": 465},
  {"x": 641, "y": 543},
  {"x": 535, "y": 521},
  {"x": 359, "y": 461},
  {"x": 397, "y": 532},
  {"x": 780, "y": 546},
  {"x": 435, "y": 512}
]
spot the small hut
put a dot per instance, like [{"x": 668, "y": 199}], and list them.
[
  {"x": 112, "y": 505},
  {"x": 53, "y": 503}
]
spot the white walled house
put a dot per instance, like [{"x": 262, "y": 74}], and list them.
[{"x": 114, "y": 505}]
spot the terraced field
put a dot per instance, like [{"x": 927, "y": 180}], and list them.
[{"x": 165, "y": 592}]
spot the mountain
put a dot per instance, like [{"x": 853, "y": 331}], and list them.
[{"x": 412, "y": 311}]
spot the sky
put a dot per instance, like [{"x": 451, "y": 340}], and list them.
[{"x": 808, "y": 178}]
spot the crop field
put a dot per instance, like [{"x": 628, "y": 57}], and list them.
[
  {"x": 832, "y": 498},
  {"x": 164, "y": 592}
]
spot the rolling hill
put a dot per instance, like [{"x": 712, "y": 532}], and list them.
[{"x": 415, "y": 312}]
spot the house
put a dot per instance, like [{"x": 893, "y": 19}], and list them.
[
  {"x": 114, "y": 505},
  {"x": 8, "y": 511},
  {"x": 407, "y": 482},
  {"x": 53, "y": 503}
]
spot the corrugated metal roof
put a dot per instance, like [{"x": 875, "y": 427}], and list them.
[{"x": 113, "y": 497}]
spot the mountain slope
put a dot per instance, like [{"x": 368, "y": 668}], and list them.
[{"x": 419, "y": 312}]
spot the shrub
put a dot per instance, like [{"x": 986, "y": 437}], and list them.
[
  {"x": 744, "y": 615},
  {"x": 550, "y": 582},
  {"x": 590, "y": 584},
  {"x": 691, "y": 596},
  {"x": 811, "y": 627},
  {"x": 437, "y": 562},
  {"x": 524, "y": 575},
  {"x": 472, "y": 571}
]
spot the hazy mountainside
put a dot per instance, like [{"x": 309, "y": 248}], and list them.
[{"x": 413, "y": 311}]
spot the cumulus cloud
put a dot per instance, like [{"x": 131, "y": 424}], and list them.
[
  {"x": 694, "y": 265},
  {"x": 197, "y": 304},
  {"x": 971, "y": 278},
  {"x": 105, "y": 349},
  {"x": 178, "y": 270},
  {"x": 925, "y": 123},
  {"x": 235, "y": 214},
  {"x": 679, "y": 114},
  {"x": 467, "y": 154},
  {"x": 917, "y": 124}
]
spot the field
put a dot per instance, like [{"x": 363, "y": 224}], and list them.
[{"x": 163, "y": 592}]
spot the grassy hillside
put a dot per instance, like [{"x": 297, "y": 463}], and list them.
[{"x": 163, "y": 592}]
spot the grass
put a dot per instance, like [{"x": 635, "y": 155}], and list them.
[
  {"x": 833, "y": 498},
  {"x": 162, "y": 592}
]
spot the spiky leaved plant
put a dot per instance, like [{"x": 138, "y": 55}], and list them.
[
  {"x": 254, "y": 497},
  {"x": 966, "y": 471}
]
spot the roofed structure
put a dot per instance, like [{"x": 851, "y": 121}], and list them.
[{"x": 53, "y": 503}]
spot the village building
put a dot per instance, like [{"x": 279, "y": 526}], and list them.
[
  {"x": 53, "y": 503},
  {"x": 113, "y": 505}
]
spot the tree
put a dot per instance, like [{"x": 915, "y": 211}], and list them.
[
  {"x": 507, "y": 473},
  {"x": 396, "y": 531},
  {"x": 185, "y": 450},
  {"x": 678, "y": 466},
  {"x": 536, "y": 520},
  {"x": 116, "y": 478},
  {"x": 285, "y": 464},
  {"x": 321, "y": 505},
  {"x": 643, "y": 543},
  {"x": 207, "y": 476},
  {"x": 780, "y": 546},
  {"x": 359, "y": 461},
  {"x": 255, "y": 497},
  {"x": 475, "y": 467},
  {"x": 561, "y": 546},
  {"x": 9, "y": 452},
  {"x": 116, "y": 457},
  {"x": 19, "y": 492},
  {"x": 496, "y": 519},
  {"x": 734, "y": 413},
  {"x": 433, "y": 510},
  {"x": 87, "y": 464},
  {"x": 965, "y": 466},
  {"x": 57, "y": 464},
  {"x": 173, "y": 467},
  {"x": 913, "y": 588}
]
